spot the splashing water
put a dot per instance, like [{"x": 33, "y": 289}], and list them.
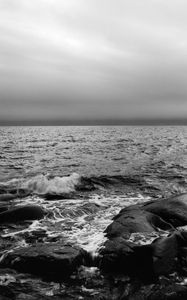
[
  {"x": 40, "y": 184},
  {"x": 78, "y": 221}
]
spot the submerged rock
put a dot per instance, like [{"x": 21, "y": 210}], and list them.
[
  {"x": 22, "y": 213},
  {"x": 51, "y": 261}
]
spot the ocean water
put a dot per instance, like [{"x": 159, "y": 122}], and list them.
[{"x": 83, "y": 176}]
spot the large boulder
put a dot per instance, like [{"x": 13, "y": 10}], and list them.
[
  {"x": 147, "y": 261},
  {"x": 165, "y": 254},
  {"x": 51, "y": 261},
  {"x": 22, "y": 213},
  {"x": 121, "y": 256},
  {"x": 147, "y": 257},
  {"x": 135, "y": 219},
  {"x": 173, "y": 210}
]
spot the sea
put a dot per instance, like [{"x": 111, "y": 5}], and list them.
[{"x": 84, "y": 175}]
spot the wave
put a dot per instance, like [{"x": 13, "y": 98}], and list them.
[
  {"x": 108, "y": 180},
  {"x": 73, "y": 185},
  {"x": 41, "y": 184},
  {"x": 63, "y": 186}
]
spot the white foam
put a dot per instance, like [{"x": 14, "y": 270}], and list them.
[
  {"x": 40, "y": 184},
  {"x": 5, "y": 279},
  {"x": 69, "y": 220},
  {"x": 90, "y": 235},
  {"x": 11, "y": 182},
  {"x": 35, "y": 225},
  {"x": 184, "y": 282},
  {"x": 145, "y": 238}
]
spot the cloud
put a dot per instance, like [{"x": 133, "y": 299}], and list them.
[{"x": 90, "y": 59}]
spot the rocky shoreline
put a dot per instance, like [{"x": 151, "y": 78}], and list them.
[{"x": 144, "y": 256}]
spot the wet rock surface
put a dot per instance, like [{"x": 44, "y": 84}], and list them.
[
  {"x": 173, "y": 210},
  {"x": 7, "y": 197},
  {"x": 144, "y": 256},
  {"x": 155, "y": 257},
  {"x": 22, "y": 213},
  {"x": 132, "y": 250},
  {"x": 54, "y": 261}
]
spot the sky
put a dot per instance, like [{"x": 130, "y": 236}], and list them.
[{"x": 88, "y": 60}]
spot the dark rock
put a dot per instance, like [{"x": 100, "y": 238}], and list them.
[
  {"x": 51, "y": 261},
  {"x": 132, "y": 220},
  {"x": 22, "y": 213},
  {"x": 6, "y": 293},
  {"x": 120, "y": 256},
  {"x": 182, "y": 238},
  {"x": 150, "y": 259},
  {"x": 3, "y": 208},
  {"x": 158, "y": 291},
  {"x": 165, "y": 253},
  {"x": 7, "y": 197},
  {"x": 135, "y": 219},
  {"x": 172, "y": 210},
  {"x": 55, "y": 197},
  {"x": 144, "y": 261},
  {"x": 3, "y": 190}
]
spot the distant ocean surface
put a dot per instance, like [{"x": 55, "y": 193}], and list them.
[
  {"x": 85, "y": 175},
  {"x": 88, "y": 151}
]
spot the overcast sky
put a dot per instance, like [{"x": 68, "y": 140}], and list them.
[{"x": 93, "y": 59}]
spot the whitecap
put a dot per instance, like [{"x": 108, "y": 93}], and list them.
[{"x": 40, "y": 184}]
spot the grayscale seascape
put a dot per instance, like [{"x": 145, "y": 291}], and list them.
[{"x": 93, "y": 150}]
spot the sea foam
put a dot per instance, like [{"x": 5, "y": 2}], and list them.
[{"x": 40, "y": 184}]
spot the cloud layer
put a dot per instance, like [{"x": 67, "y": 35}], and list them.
[{"x": 93, "y": 59}]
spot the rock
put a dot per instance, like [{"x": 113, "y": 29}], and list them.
[
  {"x": 172, "y": 210},
  {"x": 52, "y": 261},
  {"x": 121, "y": 256},
  {"x": 165, "y": 253},
  {"x": 90, "y": 208},
  {"x": 157, "y": 291},
  {"x": 153, "y": 257},
  {"x": 143, "y": 261},
  {"x": 3, "y": 208},
  {"x": 6, "y": 293},
  {"x": 55, "y": 197},
  {"x": 7, "y": 197},
  {"x": 22, "y": 213},
  {"x": 135, "y": 219},
  {"x": 132, "y": 220}
]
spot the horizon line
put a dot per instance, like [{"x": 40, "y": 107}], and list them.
[{"x": 96, "y": 122}]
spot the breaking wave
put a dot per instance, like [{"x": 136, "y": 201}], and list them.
[
  {"x": 63, "y": 187},
  {"x": 41, "y": 184}
]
